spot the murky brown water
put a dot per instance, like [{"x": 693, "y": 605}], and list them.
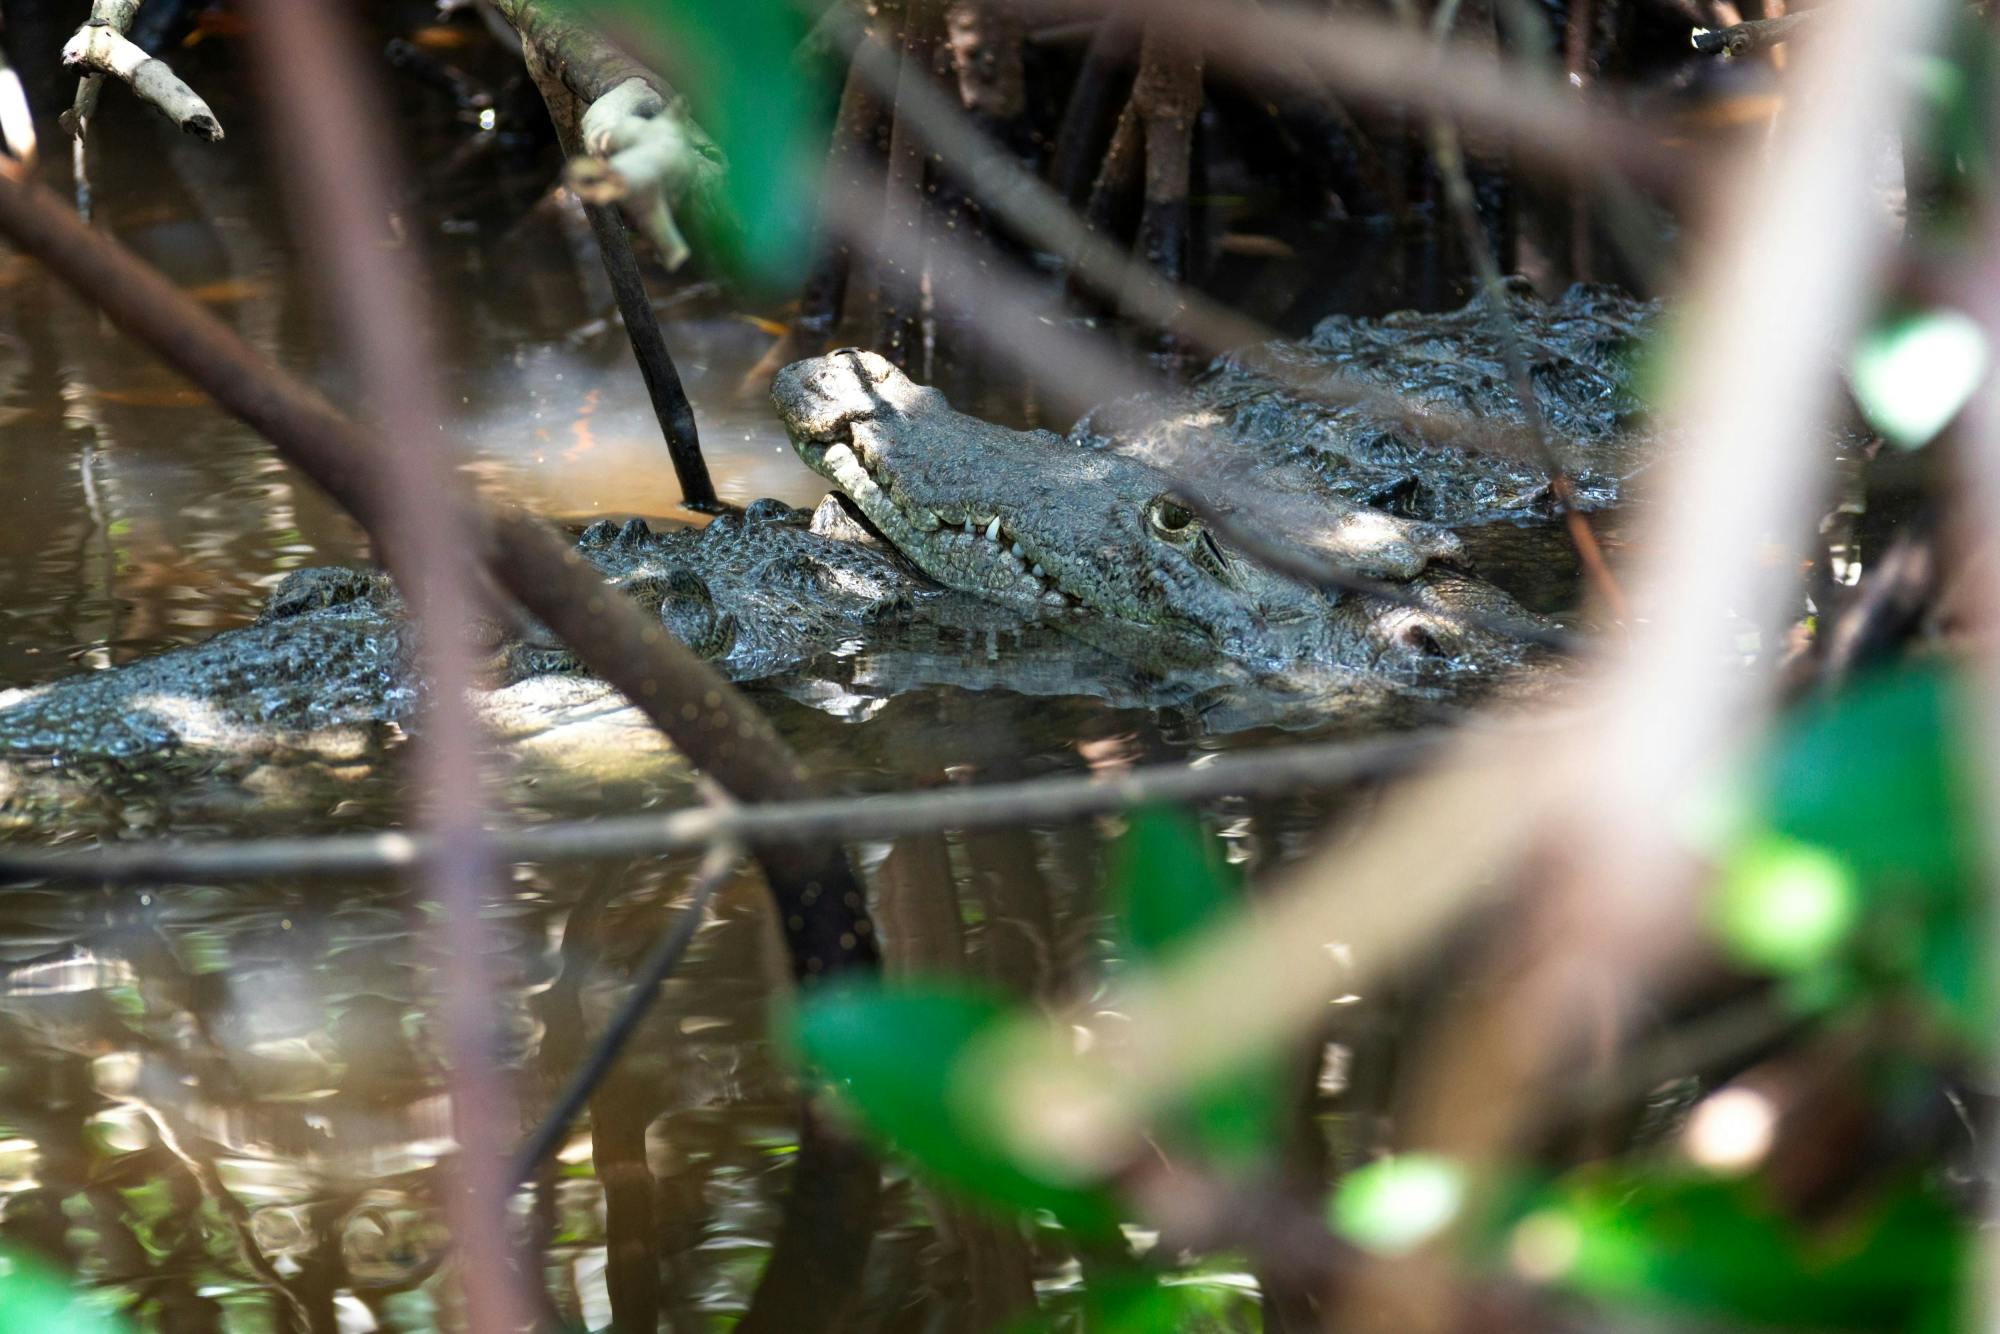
[{"x": 219, "y": 1104}]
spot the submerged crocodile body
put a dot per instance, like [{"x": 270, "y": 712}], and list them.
[
  {"x": 967, "y": 554},
  {"x": 1252, "y": 418}
]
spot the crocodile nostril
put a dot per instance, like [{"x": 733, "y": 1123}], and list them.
[{"x": 1419, "y": 638}]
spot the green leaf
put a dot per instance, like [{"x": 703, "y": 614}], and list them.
[
  {"x": 1393, "y": 1206},
  {"x": 34, "y": 1299},
  {"x": 1167, "y": 883},
  {"x": 1717, "y": 1247},
  {"x": 1913, "y": 373},
  {"x": 896, "y": 1058}
]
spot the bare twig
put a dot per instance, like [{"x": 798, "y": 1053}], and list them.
[
  {"x": 656, "y": 365},
  {"x": 1264, "y": 772},
  {"x": 647, "y": 152}
]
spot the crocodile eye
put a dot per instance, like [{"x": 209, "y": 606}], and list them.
[{"x": 1170, "y": 519}]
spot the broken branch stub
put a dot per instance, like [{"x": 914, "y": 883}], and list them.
[
  {"x": 102, "y": 49},
  {"x": 647, "y": 153}
]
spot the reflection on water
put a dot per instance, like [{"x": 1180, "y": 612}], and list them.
[{"x": 225, "y": 1104}]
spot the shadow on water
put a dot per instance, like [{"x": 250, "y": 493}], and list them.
[{"x": 225, "y": 1103}]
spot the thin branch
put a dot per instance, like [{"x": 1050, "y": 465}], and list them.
[
  {"x": 664, "y": 957},
  {"x": 1264, "y": 772},
  {"x": 643, "y": 148},
  {"x": 1744, "y": 39},
  {"x": 1449, "y": 154},
  {"x": 664, "y": 390}
]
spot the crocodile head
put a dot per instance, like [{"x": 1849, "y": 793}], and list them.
[
  {"x": 1023, "y": 517},
  {"x": 1029, "y": 518}
]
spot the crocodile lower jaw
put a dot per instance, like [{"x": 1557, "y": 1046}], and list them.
[{"x": 944, "y": 543}]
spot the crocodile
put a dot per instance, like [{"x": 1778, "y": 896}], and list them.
[
  {"x": 959, "y": 552},
  {"x": 1104, "y": 546},
  {"x": 1282, "y": 415},
  {"x": 758, "y": 593}
]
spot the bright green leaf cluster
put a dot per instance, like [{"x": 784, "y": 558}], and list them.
[
  {"x": 1711, "y": 1246},
  {"x": 897, "y": 1058},
  {"x": 35, "y": 1300},
  {"x": 1857, "y": 860}
]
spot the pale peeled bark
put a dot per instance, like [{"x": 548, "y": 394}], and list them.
[{"x": 103, "y": 49}]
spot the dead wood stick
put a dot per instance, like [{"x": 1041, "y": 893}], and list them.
[
  {"x": 820, "y": 903},
  {"x": 656, "y": 365},
  {"x": 101, "y": 47}
]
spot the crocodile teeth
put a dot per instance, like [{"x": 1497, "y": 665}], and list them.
[
  {"x": 968, "y": 528},
  {"x": 1037, "y": 571},
  {"x": 993, "y": 530}
]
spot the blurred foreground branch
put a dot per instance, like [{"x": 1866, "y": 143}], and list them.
[
  {"x": 1378, "y": 61},
  {"x": 1271, "y": 772},
  {"x": 334, "y": 147}
]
